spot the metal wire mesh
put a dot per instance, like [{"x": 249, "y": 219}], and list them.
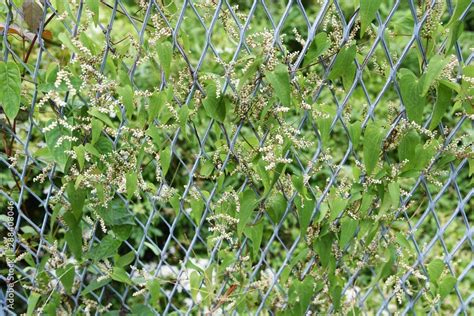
[{"x": 185, "y": 237}]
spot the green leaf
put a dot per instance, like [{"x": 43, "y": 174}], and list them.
[
  {"x": 323, "y": 247},
  {"x": 66, "y": 275},
  {"x": 461, "y": 6},
  {"x": 276, "y": 207},
  {"x": 336, "y": 294},
  {"x": 183, "y": 117},
  {"x": 435, "y": 67},
  {"x": 385, "y": 269},
  {"x": 93, "y": 5},
  {"x": 101, "y": 116},
  {"x": 165, "y": 56},
  {"x": 74, "y": 241},
  {"x": 94, "y": 285},
  {"x": 97, "y": 127},
  {"x": 344, "y": 61},
  {"x": 18, "y": 3},
  {"x": 255, "y": 233},
  {"x": 64, "y": 37},
  {"x": 80, "y": 154},
  {"x": 165, "y": 160},
  {"x": 250, "y": 72},
  {"x": 116, "y": 214},
  {"x": 125, "y": 260},
  {"x": 337, "y": 205},
  {"x": 131, "y": 183},
  {"x": 107, "y": 247},
  {"x": 157, "y": 101},
  {"x": 368, "y": 10},
  {"x": 394, "y": 191},
  {"x": 120, "y": 275},
  {"x": 127, "y": 95},
  {"x": 279, "y": 80},
  {"x": 446, "y": 285},
  {"x": 442, "y": 104},
  {"x": 304, "y": 213},
  {"x": 410, "y": 90},
  {"x": 354, "y": 132},
  {"x": 407, "y": 146},
  {"x": 348, "y": 229},
  {"x": 435, "y": 269},
  {"x": 11, "y": 87},
  {"x": 248, "y": 202},
  {"x": 154, "y": 288},
  {"x": 195, "y": 280},
  {"x": 32, "y": 301},
  {"x": 303, "y": 291},
  {"x": 56, "y": 148},
  {"x": 328, "y": 112},
  {"x": 373, "y": 136},
  {"x": 215, "y": 107},
  {"x": 318, "y": 46}
]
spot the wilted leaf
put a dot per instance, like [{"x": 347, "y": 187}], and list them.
[{"x": 32, "y": 14}]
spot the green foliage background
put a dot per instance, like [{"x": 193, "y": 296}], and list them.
[{"x": 209, "y": 157}]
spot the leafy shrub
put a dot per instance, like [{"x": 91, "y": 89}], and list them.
[{"x": 207, "y": 157}]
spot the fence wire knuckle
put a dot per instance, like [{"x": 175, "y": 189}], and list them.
[{"x": 176, "y": 253}]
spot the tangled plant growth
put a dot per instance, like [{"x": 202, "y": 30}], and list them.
[{"x": 208, "y": 157}]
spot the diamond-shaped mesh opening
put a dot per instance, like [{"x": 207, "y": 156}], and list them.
[{"x": 187, "y": 253}]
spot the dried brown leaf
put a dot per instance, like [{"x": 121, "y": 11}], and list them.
[
  {"x": 15, "y": 29},
  {"x": 32, "y": 14}
]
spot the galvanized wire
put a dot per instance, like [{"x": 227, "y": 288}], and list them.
[{"x": 173, "y": 246}]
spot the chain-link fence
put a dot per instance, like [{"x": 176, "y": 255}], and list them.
[{"x": 179, "y": 246}]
